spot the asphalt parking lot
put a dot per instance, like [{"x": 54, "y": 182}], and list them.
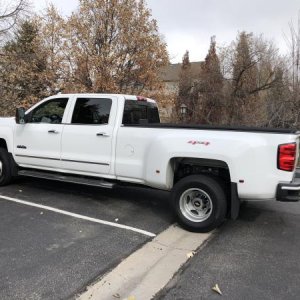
[
  {"x": 60, "y": 238},
  {"x": 48, "y": 254}
]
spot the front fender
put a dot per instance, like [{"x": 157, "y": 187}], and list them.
[{"x": 6, "y": 134}]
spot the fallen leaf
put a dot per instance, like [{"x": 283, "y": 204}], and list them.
[
  {"x": 117, "y": 296},
  {"x": 116, "y": 220},
  {"x": 41, "y": 213},
  {"x": 190, "y": 254},
  {"x": 131, "y": 298},
  {"x": 217, "y": 289}
]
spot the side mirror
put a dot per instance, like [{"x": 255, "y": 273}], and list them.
[{"x": 20, "y": 115}]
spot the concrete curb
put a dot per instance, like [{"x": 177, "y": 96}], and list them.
[{"x": 145, "y": 272}]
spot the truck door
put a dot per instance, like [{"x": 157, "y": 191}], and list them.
[
  {"x": 38, "y": 141},
  {"x": 87, "y": 138}
]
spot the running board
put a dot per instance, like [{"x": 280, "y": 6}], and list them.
[{"x": 67, "y": 178}]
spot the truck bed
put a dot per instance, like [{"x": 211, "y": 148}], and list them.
[{"x": 217, "y": 128}]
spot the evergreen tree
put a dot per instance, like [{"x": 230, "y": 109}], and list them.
[
  {"x": 185, "y": 86},
  {"x": 244, "y": 97},
  {"x": 210, "y": 87},
  {"x": 244, "y": 67},
  {"x": 185, "y": 80},
  {"x": 23, "y": 72}
]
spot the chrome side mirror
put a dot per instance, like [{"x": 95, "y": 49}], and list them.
[{"x": 20, "y": 115}]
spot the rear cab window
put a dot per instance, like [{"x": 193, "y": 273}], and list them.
[
  {"x": 140, "y": 112},
  {"x": 92, "y": 111}
]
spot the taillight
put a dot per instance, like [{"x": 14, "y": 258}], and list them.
[{"x": 287, "y": 157}]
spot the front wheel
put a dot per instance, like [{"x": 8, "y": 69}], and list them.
[{"x": 200, "y": 202}]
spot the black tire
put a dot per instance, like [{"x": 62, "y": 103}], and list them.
[
  {"x": 207, "y": 194},
  {"x": 5, "y": 168}
]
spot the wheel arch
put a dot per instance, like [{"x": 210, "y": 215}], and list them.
[
  {"x": 3, "y": 143},
  {"x": 13, "y": 165},
  {"x": 181, "y": 167},
  {"x": 200, "y": 164}
]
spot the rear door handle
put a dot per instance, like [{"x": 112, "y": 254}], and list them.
[
  {"x": 103, "y": 134},
  {"x": 53, "y": 131}
]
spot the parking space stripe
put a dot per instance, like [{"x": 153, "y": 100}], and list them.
[{"x": 74, "y": 215}]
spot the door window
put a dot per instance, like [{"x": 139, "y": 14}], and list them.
[
  {"x": 51, "y": 112},
  {"x": 91, "y": 111}
]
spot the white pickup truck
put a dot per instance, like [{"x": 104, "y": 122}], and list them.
[{"x": 108, "y": 139}]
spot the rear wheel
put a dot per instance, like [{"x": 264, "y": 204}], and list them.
[
  {"x": 5, "y": 169},
  {"x": 200, "y": 202}
]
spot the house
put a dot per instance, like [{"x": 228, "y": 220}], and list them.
[{"x": 170, "y": 76}]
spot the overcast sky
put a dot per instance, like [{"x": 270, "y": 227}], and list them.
[{"x": 189, "y": 24}]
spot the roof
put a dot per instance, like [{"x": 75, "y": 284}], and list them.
[
  {"x": 92, "y": 94},
  {"x": 172, "y": 71},
  {"x": 127, "y": 97}
]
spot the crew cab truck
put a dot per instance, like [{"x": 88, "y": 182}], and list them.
[{"x": 108, "y": 139}]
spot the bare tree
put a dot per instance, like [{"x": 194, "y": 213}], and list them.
[
  {"x": 278, "y": 101},
  {"x": 114, "y": 46},
  {"x": 10, "y": 12},
  {"x": 249, "y": 66},
  {"x": 293, "y": 43}
]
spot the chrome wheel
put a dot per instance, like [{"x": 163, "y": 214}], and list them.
[
  {"x": 1, "y": 167},
  {"x": 196, "y": 205}
]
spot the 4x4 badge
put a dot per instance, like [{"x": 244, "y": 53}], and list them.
[{"x": 199, "y": 143}]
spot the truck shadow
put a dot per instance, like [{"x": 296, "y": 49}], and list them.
[
  {"x": 136, "y": 206},
  {"x": 248, "y": 213}
]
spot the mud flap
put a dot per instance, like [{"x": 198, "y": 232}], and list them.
[{"x": 234, "y": 202}]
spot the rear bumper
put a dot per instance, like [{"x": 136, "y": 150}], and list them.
[{"x": 289, "y": 192}]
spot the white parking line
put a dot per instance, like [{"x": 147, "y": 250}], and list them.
[{"x": 64, "y": 212}]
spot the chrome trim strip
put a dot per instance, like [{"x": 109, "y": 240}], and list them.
[
  {"x": 86, "y": 162},
  {"x": 39, "y": 157},
  {"x": 291, "y": 188},
  {"x": 66, "y": 160}
]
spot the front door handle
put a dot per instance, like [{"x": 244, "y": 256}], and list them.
[
  {"x": 103, "y": 134},
  {"x": 53, "y": 131}
]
